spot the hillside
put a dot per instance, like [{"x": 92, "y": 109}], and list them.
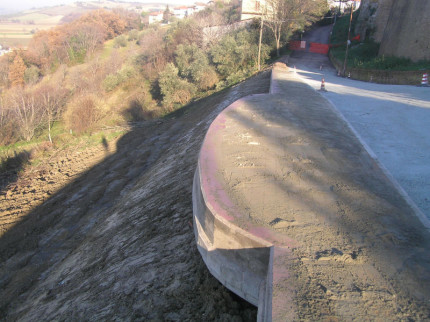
[
  {"x": 17, "y": 29},
  {"x": 105, "y": 70},
  {"x": 116, "y": 241},
  {"x": 101, "y": 121}
]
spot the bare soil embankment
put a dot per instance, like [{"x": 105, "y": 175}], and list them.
[{"x": 116, "y": 241}]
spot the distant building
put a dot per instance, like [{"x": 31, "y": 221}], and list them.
[
  {"x": 182, "y": 12},
  {"x": 341, "y": 5},
  {"x": 251, "y": 9},
  {"x": 153, "y": 17},
  {"x": 4, "y": 50},
  {"x": 199, "y": 6},
  {"x": 177, "y": 12}
]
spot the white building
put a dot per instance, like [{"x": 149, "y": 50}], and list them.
[
  {"x": 4, "y": 51},
  {"x": 182, "y": 12},
  {"x": 341, "y": 5},
  {"x": 153, "y": 17},
  {"x": 178, "y": 12},
  {"x": 199, "y": 6},
  {"x": 252, "y": 8}
]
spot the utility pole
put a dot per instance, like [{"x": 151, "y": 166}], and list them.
[
  {"x": 347, "y": 43},
  {"x": 259, "y": 42},
  {"x": 338, "y": 11}
]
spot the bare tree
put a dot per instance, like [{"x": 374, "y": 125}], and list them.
[
  {"x": 285, "y": 16},
  {"x": 4, "y": 71},
  {"x": 28, "y": 113},
  {"x": 154, "y": 57},
  {"x": 82, "y": 39},
  {"x": 7, "y": 124},
  {"x": 52, "y": 101}
]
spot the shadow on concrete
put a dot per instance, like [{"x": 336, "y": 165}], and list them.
[
  {"x": 346, "y": 195},
  {"x": 370, "y": 211}
]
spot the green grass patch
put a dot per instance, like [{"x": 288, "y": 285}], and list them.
[
  {"x": 365, "y": 55},
  {"x": 107, "y": 49},
  {"x": 340, "y": 29},
  {"x": 22, "y": 154}
]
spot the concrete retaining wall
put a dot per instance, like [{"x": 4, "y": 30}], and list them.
[
  {"x": 242, "y": 260},
  {"x": 276, "y": 170},
  {"x": 236, "y": 258}
]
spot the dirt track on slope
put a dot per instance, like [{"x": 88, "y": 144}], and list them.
[{"x": 116, "y": 241}]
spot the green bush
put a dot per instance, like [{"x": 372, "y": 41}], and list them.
[
  {"x": 237, "y": 53},
  {"x": 112, "y": 81},
  {"x": 193, "y": 64},
  {"x": 32, "y": 75},
  {"x": 133, "y": 35},
  {"x": 386, "y": 63},
  {"x": 365, "y": 51},
  {"x": 365, "y": 55},
  {"x": 76, "y": 55},
  {"x": 236, "y": 77},
  {"x": 174, "y": 89},
  {"x": 126, "y": 72},
  {"x": 358, "y": 54},
  {"x": 120, "y": 41},
  {"x": 340, "y": 29}
]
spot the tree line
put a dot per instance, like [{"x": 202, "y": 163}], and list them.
[{"x": 106, "y": 68}]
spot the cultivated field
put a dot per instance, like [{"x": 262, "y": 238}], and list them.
[
  {"x": 16, "y": 30},
  {"x": 19, "y": 31}
]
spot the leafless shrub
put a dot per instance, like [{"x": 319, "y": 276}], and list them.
[
  {"x": 83, "y": 113},
  {"x": 8, "y": 128},
  {"x": 27, "y": 110}
]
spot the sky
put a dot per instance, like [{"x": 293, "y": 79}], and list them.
[{"x": 19, "y": 5}]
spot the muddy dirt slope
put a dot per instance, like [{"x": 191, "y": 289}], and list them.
[{"x": 116, "y": 241}]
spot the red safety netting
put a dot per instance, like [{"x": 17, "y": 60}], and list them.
[
  {"x": 319, "y": 48},
  {"x": 297, "y": 45}
]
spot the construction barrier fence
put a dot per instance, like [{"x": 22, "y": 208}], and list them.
[
  {"x": 319, "y": 48},
  {"x": 297, "y": 45}
]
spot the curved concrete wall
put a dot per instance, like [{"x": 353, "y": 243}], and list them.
[
  {"x": 276, "y": 170},
  {"x": 241, "y": 259},
  {"x": 236, "y": 258}
]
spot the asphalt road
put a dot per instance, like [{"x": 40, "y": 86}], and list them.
[{"x": 392, "y": 120}]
